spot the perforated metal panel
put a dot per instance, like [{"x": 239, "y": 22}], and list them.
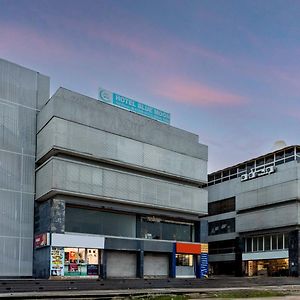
[
  {"x": 19, "y": 95},
  {"x": 105, "y": 145},
  {"x": 98, "y": 181}
]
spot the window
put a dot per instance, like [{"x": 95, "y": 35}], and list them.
[
  {"x": 220, "y": 247},
  {"x": 99, "y": 222},
  {"x": 280, "y": 241},
  {"x": 222, "y": 206},
  {"x": 274, "y": 242},
  {"x": 286, "y": 241},
  {"x": 270, "y": 158},
  {"x": 249, "y": 245},
  {"x": 254, "y": 244},
  {"x": 184, "y": 260},
  {"x": 260, "y": 162},
  {"x": 221, "y": 227},
  {"x": 267, "y": 242},
  {"x": 155, "y": 228},
  {"x": 289, "y": 152},
  {"x": 260, "y": 243}
]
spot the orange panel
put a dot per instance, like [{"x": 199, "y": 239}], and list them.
[
  {"x": 188, "y": 248},
  {"x": 204, "y": 248}
]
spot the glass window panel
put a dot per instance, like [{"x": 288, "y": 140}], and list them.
[
  {"x": 184, "y": 260},
  {"x": 267, "y": 242},
  {"x": 225, "y": 173},
  {"x": 269, "y": 158},
  {"x": 279, "y": 162},
  {"x": 218, "y": 175},
  {"x": 260, "y": 162},
  {"x": 233, "y": 171},
  {"x": 279, "y": 155},
  {"x": 289, "y": 152},
  {"x": 210, "y": 178},
  {"x": 250, "y": 166},
  {"x": 280, "y": 241},
  {"x": 286, "y": 241},
  {"x": 99, "y": 222},
  {"x": 255, "y": 244},
  {"x": 221, "y": 227},
  {"x": 260, "y": 243},
  {"x": 249, "y": 244},
  {"x": 274, "y": 242},
  {"x": 178, "y": 232},
  {"x": 289, "y": 159}
]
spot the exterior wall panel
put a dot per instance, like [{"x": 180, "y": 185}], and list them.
[
  {"x": 108, "y": 146},
  {"x": 22, "y": 91},
  {"x": 72, "y": 106},
  {"x": 268, "y": 218},
  {"x": 133, "y": 189}
]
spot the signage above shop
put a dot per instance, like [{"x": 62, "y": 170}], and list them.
[
  {"x": 134, "y": 106},
  {"x": 258, "y": 173},
  {"x": 41, "y": 240}
]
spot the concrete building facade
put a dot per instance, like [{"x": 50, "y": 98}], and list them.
[
  {"x": 117, "y": 194},
  {"x": 22, "y": 93},
  {"x": 253, "y": 223}
]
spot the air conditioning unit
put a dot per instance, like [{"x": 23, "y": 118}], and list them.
[{"x": 244, "y": 177}]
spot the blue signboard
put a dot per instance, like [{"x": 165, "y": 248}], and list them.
[
  {"x": 203, "y": 265},
  {"x": 134, "y": 106}
]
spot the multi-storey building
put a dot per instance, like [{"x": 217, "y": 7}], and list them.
[
  {"x": 22, "y": 93},
  {"x": 253, "y": 223},
  {"x": 117, "y": 194}
]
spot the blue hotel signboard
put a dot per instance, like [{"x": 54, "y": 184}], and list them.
[{"x": 134, "y": 106}]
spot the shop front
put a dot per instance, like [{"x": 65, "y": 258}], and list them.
[
  {"x": 73, "y": 255},
  {"x": 191, "y": 261},
  {"x": 274, "y": 263}
]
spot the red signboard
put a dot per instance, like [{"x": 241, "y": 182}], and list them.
[
  {"x": 188, "y": 248},
  {"x": 41, "y": 240}
]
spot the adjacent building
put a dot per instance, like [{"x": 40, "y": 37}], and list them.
[
  {"x": 22, "y": 93},
  {"x": 117, "y": 194},
  {"x": 254, "y": 216}
]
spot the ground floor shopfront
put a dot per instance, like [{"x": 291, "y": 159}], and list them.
[{"x": 90, "y": 256}]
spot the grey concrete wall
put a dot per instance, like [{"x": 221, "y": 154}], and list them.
[
  {"x": 22, "y": 92},
  {"x": 281, "y": 185},
  {"x": 99, "y": 144},
  {"x": 81, "y": 109},
  {"x": 274, "y": 217},
  {"x": 85, "y": 180}
]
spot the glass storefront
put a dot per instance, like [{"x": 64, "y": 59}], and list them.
[
  {"x": 268, "y": 267},
  {"x": 156, "y": 228},
  {"x": 81, "y": 262}
]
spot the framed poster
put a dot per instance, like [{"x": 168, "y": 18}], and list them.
[{"x": 57, "y": 257}]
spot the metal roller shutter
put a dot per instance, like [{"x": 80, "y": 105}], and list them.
[
  {"x": 156, "y": 264},
  {"x": 121, "y": 264}
]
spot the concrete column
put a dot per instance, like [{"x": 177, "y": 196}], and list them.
[
  {"x": 198, "y": 266},
  {"x": 294, "y": 249},
  {"x": 239, "y": 245},
  {"x": 140, "y": 264},
  {"x": 172, "y": 264},
  {"x": 58, "y": 210},
  {"x": 103, "y": 265}
]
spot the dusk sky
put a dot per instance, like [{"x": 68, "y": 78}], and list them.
[{"x": 226, "y": 70}]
